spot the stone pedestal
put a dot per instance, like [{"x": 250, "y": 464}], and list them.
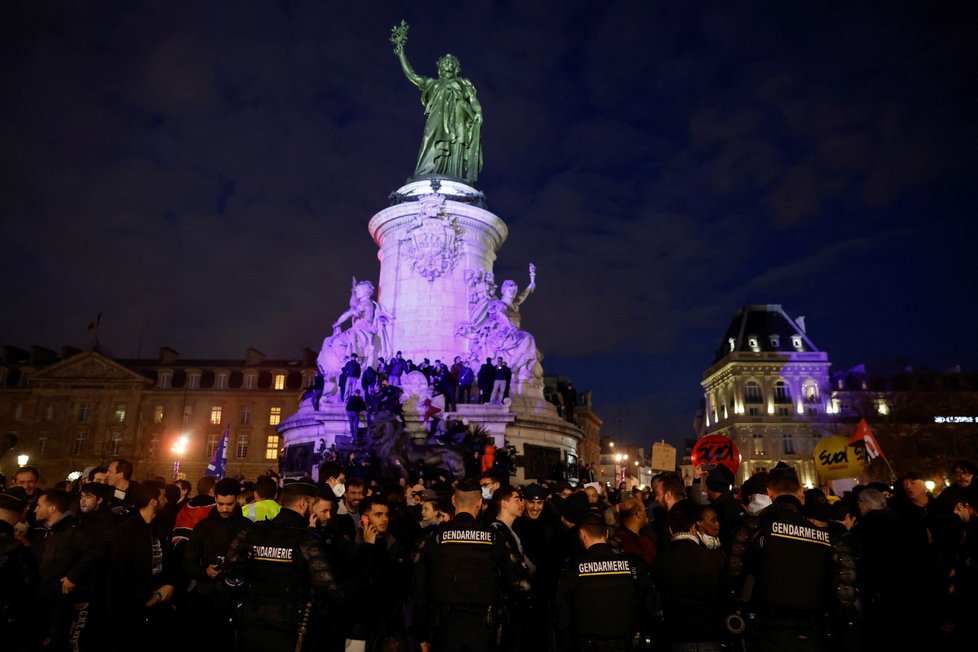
[
  {"x": 429, "y": 243},
  {"x": 437, "y": 245}
]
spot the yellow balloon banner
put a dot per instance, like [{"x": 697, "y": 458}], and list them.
[{"x": 836, "y": 459}]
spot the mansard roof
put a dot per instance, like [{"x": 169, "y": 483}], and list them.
[{"x": 769, "y": 326}]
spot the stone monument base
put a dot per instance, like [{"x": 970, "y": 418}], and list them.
[{"x": 540, "y": 437}]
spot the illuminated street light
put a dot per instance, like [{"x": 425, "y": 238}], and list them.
[
  {"x": 180, "y": 445},
  {"x": 22, "y": 460},
  {"x": 618, "y": 457},
  {"x": 179, "y": 448}
]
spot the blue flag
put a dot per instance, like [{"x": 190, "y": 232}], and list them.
[{"x": 216, "y": 467}]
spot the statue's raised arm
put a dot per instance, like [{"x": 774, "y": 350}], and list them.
[
  {"x": 452, "y": 142},
  {"x": 399, "y": 38}
]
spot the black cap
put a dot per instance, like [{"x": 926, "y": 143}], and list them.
[
  {"x": 12, "y": 502},
  {"x": 534, "y": 492},
  {"x": 719, "y": 479},
  {"x": 783, "y": 470},
  {"x": 299, "y": 488}
]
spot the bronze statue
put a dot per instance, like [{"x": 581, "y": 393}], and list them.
[{"x": 451, "y": 145}]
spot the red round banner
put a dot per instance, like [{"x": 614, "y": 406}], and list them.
[{"x": 717, "y": 449}]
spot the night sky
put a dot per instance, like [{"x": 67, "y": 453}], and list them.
[{"x": 202, "y": 174}]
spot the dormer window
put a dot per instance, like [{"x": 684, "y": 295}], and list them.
[
  {"x": 193, "y": 381},
  {"x": 733, "y": 344},
  {"x": 796, "y": 342},
  {"x": 775, "y": 341},
  {"x": 164, "y": 380},
  {"x": 753, "y": 344}
]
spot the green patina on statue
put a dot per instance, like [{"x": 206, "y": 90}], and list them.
[{"x": 451, "y": 145}]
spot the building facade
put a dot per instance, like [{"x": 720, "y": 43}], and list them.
[
  {"x": 77, "y": 409},
  {"x": 923, "y": 420},
  {"x": 768, "y": 390},
  {"x": 771, "y": 391}
]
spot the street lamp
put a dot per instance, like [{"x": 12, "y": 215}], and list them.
[
  {"x": 179, "y": 448},
  {"x": 23, "y": 459}
]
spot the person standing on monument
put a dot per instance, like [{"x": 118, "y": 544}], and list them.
[
  {"x": 452, "y": 143},
  {"x": 398, "y": 367},
  {"x": 500, "y": 385},
  {"x": 485, "y": 379},
  {"x": 352, "y": 372}
]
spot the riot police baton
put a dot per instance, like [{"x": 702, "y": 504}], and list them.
[{"x": 303, "y": 626}]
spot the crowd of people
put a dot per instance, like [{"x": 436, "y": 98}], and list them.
[
  {"x": 368, "y": 390},
  {"x": 479, "y": 564},
  {"x": 371, "y": 389}
]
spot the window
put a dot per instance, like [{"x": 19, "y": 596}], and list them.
[
  {"x": 782, "y": 394},
  {"x": 250, "y": 381},
  {"x": 784, "y": 411},
  {"x": 274, "y": 416},
  {"x": 752, "y": 343},
  {"x": 115, "y": 444},
  {"x": 241, "y": 452},
  {"x": 158, "y": 414},
  {"x": 882, "y": 407},
  {"x": 245, "y": 415},
  {"x": 188, "y": 412},
  {"x": 222, "y": 381},
  {"x": 732, "y": 343},
  {"x": 120, "y": 413},
  {"x": 279, "y": 381},
  {"x": 796, "y": 342},
  {"x": 84, "y": 412},
  {"x": 775, "y": 341},
  {"x": 271, "y": 447},
  {"x": 78, "y": 444},
  {"x": 42, "y": 445},
  {"x": 193, "y": 381},
  {"x": 164, "y": 380},
  {"x": 810, "y": 391},
  {"x": 216, "y": 415},
  {"x": 49, "y": 412},
  {"x": 758, "y": 443},
  {"x": 754, "y": 411},
  {"x": 789, "y": 443},
  {"x": 213, "y": 440},
  {"x": 812, "y": 411},
  {"x": 19, "y": 412},
  {"x": 752, "y": 392}
]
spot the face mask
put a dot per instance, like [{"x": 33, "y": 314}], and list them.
[
  {"x": 487, "y": 493},
  {"x": 709, "y": 541},
  {"x": 339, "y": 489}
]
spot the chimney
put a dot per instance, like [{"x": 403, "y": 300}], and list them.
[
  {"x": 167, "y": 355},
  {"x": 800, "y": 320},
  {"x": 253, "y": 357}
]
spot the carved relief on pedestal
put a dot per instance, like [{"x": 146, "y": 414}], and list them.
[{"x": 434, "y": 239}]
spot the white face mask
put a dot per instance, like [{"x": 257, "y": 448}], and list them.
[
  {"x": 487, "y": 493},
  {"x": 339, "y": 489}
]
